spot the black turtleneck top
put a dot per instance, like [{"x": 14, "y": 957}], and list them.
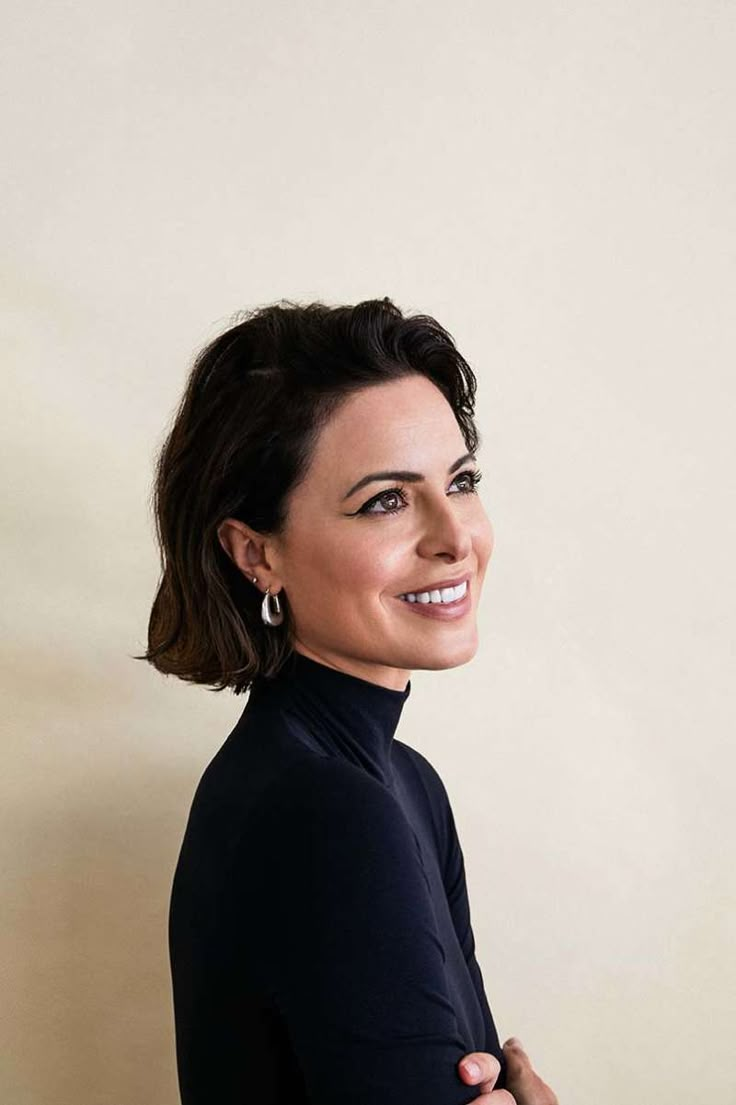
[{"x": 319, "y": 928}]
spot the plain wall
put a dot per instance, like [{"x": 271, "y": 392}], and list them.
[{"x": 555, "y": 183}]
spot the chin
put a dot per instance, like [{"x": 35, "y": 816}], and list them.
[{"x": 442, "y": 659}]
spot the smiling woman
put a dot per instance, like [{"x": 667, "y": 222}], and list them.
[
  {"x": 320, "y": 937},
  {"x": 285, "y": 418}
]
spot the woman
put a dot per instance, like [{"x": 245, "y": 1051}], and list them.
[{"x": 321, "y": 536}]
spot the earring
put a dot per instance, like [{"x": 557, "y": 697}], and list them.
[
  {"x": 268, "y": 616},
  {"x": 271, "y": 617}
]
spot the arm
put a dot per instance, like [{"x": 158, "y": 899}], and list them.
[
  {"x": 342, "y": 929},
  {"x": 457, "y": 897},
  {"x": 453, "y": 874}
]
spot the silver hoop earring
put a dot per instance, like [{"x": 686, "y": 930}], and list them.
[{"x": 271, "y": 617}]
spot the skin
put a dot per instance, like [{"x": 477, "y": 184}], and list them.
[
  {"x": 525, "y": 1087},
  {"x": 341, "y": 571}
]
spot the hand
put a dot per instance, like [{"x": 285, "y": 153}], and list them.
[
  {"x": 525, "y": 1087},
  {"x": 521, "y": 1078},
  {"x": 487, "y": 1070}
]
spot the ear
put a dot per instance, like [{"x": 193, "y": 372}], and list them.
[{"x": 247, "y": 550}]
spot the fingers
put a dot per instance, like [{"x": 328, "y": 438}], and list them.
[
  {"x": 522, "y": 1078},
  {"x": 480, "y": 1068},
  {"x": 497, "y": 1097},
  {"x": 516, "y": 1057}
]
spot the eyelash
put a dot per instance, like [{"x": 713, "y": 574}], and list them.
[{"x": 475, "y": 478}]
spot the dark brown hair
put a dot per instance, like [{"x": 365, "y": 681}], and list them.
[{"x": 242, "y": 439}]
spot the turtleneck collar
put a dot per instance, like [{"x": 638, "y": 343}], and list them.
[{"x": 342, "y": 713}]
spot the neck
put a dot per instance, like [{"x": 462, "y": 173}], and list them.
[
  {"x": 339, "y": 713},
  {"x": 392, "y": 679}
]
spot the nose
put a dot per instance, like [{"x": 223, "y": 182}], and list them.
[{"x": 446, "y": 533}]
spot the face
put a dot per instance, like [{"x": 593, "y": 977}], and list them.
[{"x": 346, "y": 554}]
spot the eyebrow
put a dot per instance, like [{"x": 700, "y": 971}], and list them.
[{"x": 410, "y": 477}]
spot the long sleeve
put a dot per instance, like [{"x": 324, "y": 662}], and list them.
[
  {"x": 457, "y": 897},
  {"x": 343, "y": 937},
  {"x": 453, "y": 877}
]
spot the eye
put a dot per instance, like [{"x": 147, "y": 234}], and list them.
[
  {"x": 471, "y": 476},
  {"x": 474, "y": 478}
]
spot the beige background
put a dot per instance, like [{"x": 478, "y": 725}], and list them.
[{"x": 555, "y": 182}]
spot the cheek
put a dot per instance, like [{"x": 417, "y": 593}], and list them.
[
  {"x": 371, "y": 562},
  {"x": 348, "y": 566}
]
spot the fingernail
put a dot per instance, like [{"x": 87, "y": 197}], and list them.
[{"x": 472, "y": 1069}]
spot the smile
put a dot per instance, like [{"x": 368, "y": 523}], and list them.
[
  {"x": 445, "y": 596},
  {"x": 444, "y": 605}
]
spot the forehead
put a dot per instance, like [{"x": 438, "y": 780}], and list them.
[{"x": 407, "y": 421}]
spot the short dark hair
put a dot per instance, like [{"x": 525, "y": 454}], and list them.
[{"x": 242, "y": 439}]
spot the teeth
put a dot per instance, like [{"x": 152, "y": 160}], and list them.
[{"x": 447, "y": 594}]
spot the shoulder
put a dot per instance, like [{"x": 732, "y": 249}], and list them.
[
  {"x": 425, "y": 770},
  {"x": 318, "y": 796},
  {"x": 328, "y": 828},
  {"x": 315, "y": 779}
]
